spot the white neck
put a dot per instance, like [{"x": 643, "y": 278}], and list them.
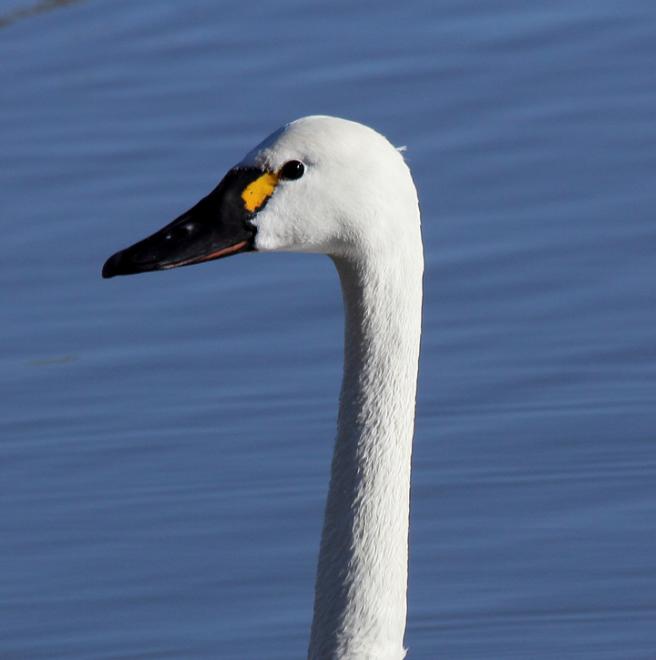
[{"x": 360, "y": 598}]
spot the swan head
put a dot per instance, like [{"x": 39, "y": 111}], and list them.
[{"x": 319, "y": 184}]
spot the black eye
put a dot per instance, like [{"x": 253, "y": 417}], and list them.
[{"x": 292, "y": 169}]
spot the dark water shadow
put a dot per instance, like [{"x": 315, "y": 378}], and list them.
[{"x": 33, "y": 10}]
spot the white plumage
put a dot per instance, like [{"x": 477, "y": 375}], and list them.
[{"x": 357, "y": 203}]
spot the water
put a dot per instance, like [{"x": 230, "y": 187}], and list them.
[{"x": 166, "y": 438}]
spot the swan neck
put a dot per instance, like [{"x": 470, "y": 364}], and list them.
[{"x": 360, "y": 599}]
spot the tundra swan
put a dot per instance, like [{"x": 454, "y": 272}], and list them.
[{"x": 332, "y": 186}]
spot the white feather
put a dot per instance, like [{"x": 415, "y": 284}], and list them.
[{"x": 357, "y": 203}]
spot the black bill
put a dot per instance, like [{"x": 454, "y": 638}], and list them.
[{"x": 218, "y": 226}]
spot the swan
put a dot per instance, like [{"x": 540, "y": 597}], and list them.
[{"x": 327, "y": 185}]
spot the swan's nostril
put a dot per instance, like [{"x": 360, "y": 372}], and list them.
[{"x": 181, "y": 232}]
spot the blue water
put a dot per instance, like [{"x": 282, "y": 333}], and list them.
[{"x": 165, "y": 439}]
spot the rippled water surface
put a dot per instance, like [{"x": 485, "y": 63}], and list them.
[{"x": 165, "y": 439}]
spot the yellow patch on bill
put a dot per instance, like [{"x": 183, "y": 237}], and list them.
[{"x": 258, "y": 191}]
